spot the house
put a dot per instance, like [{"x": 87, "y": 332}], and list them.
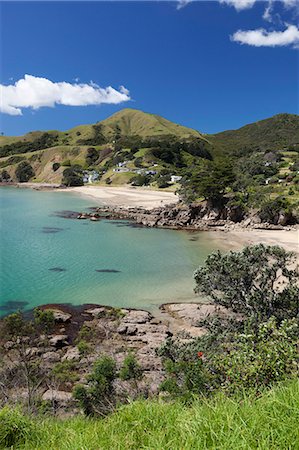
[
  {"x": 121, "y": 169},
  {"x": 90, "y": 176},
  {"x": 175, "y": 178}
]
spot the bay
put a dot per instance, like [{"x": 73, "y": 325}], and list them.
[{"x": 46, "y": 258}]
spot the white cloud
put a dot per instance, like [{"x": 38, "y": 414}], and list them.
[
  {"x": 239, "y": 4},
  {"x": 182, "y": 3},
  {"x": 35, "y": 92},
  {"x": 264, "y": 38}
]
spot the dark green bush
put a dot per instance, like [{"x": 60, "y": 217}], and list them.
[
  {"x": 24, "y": 172},
  {"x": 131, "y": 369},
  {"x": 98, "y": 396}
]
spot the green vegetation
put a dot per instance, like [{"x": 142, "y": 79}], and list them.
[
  {"x": 247, "y": 281},
  {"x": 73, "y": 176},
  {"x": 269, "y": 421},
  {"x": 243, "y": 168},
  {"x": 274, "y": 133},
  {"x": 24, "y": 172},
  {"x": 98, "y": 397},
  {"x": 221, "y": 390},
  {"x": 45, "y": 140}
]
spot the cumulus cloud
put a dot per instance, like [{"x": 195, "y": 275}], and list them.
[
  {"x": 239, "y": 4},
  {"x": 264, "y": 38},
  {"x": 35, "y": 92}
]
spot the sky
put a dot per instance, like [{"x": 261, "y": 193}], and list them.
[{"x": 211, "y": 66}]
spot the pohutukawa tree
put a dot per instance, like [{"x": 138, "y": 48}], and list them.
[{"x": 259, "y": 281}]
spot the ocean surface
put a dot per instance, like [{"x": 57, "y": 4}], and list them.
[{"x": 46, "y": 258}]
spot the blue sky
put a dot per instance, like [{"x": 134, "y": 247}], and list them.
[{"x": 181, "y": 64}]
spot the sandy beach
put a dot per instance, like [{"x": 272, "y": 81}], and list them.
[
  {"x": 126, "y": 196},
  {"x": 236, "y": 239}
]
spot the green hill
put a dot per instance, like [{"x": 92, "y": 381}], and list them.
[
  {"x": 274, "y": 133},
  {"x": 143, "y": 142},
  {"x": 134, "y": 122}
]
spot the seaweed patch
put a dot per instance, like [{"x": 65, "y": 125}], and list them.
[{"x": 108, "y": 270}]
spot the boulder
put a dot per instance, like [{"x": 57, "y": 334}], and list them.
[
  {"x": 59, "y": 341},
  {"x": 97, "y": 312},
  {"x": 61, "y": 316},
  {"x": 135, "y": 316},
  {"x": 72, "y": 354},
  {"x": 51, "y": 357},
  {"x": 57, "y": 396}
]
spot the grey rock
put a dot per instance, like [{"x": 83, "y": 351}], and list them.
[
  {"x": 51, "y": 357},
  {"x": 57, "y": 396},
  {"x": 135, "y": 316},
  {"x": 60, "y": 316},
  {"x": 59, "y": 340},
  {"x": 72, "y": 354}
]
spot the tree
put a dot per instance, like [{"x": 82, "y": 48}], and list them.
[
  {"x": 258, "y": 281},
  {"x": 5, "y": 175},
  {"x": 24, "y": 172},
  {"x": 140, "y": 180},
  {"x": 73, "y": 176},
  {"x": 271, "y": 210},
  {"x": 209, "y": 181},
  {"x": 91, "y": 156},
  {"x": 55, "y": 166}
]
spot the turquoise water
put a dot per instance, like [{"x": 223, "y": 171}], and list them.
[{"x": 50, "y": 259}]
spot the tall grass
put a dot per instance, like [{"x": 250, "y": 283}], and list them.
[{"x": 268, "y": 422}]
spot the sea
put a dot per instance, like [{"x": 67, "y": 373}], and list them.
[{"x": 48, "y": 258}]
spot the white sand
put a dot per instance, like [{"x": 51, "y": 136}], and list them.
[
  {"x": 126, "y": 196},
  {"x": 236, "y": 239}
]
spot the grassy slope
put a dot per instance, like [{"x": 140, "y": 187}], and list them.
[
  {"x": 272, "y": 134},
  {"x": 268, "y": 422},
  {"x": 134, "y": 122}
]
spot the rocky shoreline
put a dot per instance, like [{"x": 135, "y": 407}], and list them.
[{"x": 197, "y": 217}]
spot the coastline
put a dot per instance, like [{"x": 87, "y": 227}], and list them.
[
  {"x": 126, "y": 197},
  {"x": 123, "y": 199}
]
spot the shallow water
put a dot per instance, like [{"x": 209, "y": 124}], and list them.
[{"x": 49, "y": 259}]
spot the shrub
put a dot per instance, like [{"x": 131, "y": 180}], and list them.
[
  {"x": 131, "y": 369},
  {"x": 257, "y": 359},
  {"x": 73, "y": 176},
  {"x": 84, "y": 347},
  {"x": 272, "y": 209},
  {"x": 4, "y": 176},
  {"x": 44, "y": 318},
  {"x": 55, "y": 166},
  {"x": 247, "y": 282},
  {"x": 24, "y": 172},
  {"x": 65, "y": 371},
  {"x": 91, "y": 156},
  {"x": 97, "y": 397},
  {"x": 140, "y": 180}
]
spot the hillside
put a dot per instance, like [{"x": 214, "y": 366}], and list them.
[
  {"x": 274, "y": 133},
  {"x": 126, "y": 136},
  {"x": 134, "y": 147},
  {"x": 132, "y": 122}
]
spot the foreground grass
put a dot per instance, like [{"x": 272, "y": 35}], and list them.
[{"x": 268, "y": 422}]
